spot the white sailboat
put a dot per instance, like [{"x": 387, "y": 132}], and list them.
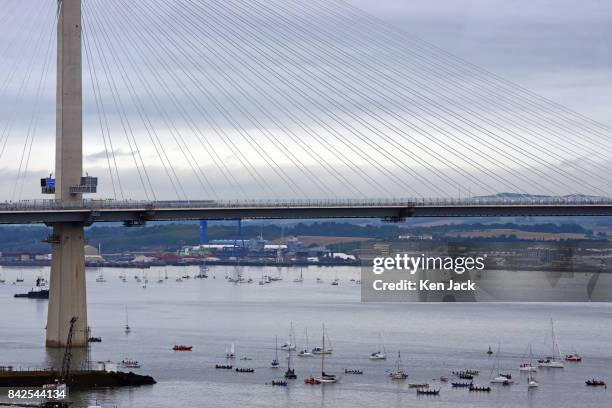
[
  {"x": 306, "y": 352},
  {"x": 554, "y": 361},
  {"x": 323, "y": 350},
  {"x": 505, "y": 379},
  {"x": 325, "y": 378},
  {"x": 290, "y": 345},
  {"x": 528, "y": 366},
  {"x": 381, "y": 354},
  {"x": 531, "y": 381},
  {"x": 231, "y": 351},
  {"x": 300, "y": 279}
]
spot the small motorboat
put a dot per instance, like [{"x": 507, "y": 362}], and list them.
[
  {"x": 334, "y": 283},
  {"x": 281, "y": 383},
  {"x": 422, "y": 391},
  {"x": 378, "y": 356},
  {"x": 181, "y": 347},
  {"x": 418, "y": 385},
  {"x": 95, "y": 339},
  {"x": 129, "y": 363},
  {"x": 461, "y": 384},
  {"x": 479, "y": 388},
  {"x": 574, "y": 357},
  {"x": 245, "y": 370},
  {"x": 443, "y": 379},
  {"x": 502, "y": 379},
  {"x": 352, "y": 371},
  {"x": 489, "y": 351},
  {"x": 311, "y": 381},
  {"x": 596, "y": 383}
]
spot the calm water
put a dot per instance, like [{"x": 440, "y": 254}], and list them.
[{"x": 210, "y": 314}]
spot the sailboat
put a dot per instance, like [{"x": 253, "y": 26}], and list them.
[
  {"x": 159, "y": 279},
  {"x": 306, "y": 352},
  {"x": 324, "y": 378},
  {"x": 505, "y": 379},
  {"x": 531, "y": 381},
  {"x": 398, "y": 373},
  {"x": 290, "y": 345},
  {"x": 528, "y": 366},
  {"x": 100, "y": 277},
  {"x": 275, "y": 362},
  {"x": 2, "y": 280},
  {"x": 323, "y": 350},
  {"x": 381, "y": 353},
  {"x": 300, "y": 279},
  {"x": 231, "y": 352},
  {"x": 127, "y": 328},
  {"x": 290, "y": 373},
  {"x": 554, "y": 361},
  {"x": 20, "y": 278}
]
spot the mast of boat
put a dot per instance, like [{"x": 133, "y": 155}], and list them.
[
  {"x": 275, "y": 348},
  {"x": 554, "y": 340},
  {"x": 323, "y": 353},
  {"x": 307, "y": 346},
  {"x": 127, "y": 325}
]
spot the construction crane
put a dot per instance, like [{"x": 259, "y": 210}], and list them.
[{"x": 67, "y": 359}]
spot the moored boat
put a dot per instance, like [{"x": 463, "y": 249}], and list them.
[
  {"x": 574, "y": 357},
  {"x": 398, "y": 373},
  {"x": 461, "y": 384},
  {"x": 129, "y": 363},
  {"x": 181, "y": 347},
  {"x": 479, "y": 388},
  {"x": 596, "y": 383},
  {"x": 423, "y": 391},
  {"x": 554, "y": 361},
  {"x": 324, "y": 378}
]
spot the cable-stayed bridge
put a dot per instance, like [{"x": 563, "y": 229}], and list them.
[{"x": 229, "y": 107}]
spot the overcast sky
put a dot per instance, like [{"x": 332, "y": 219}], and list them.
[{"x": 225, "y": 103}]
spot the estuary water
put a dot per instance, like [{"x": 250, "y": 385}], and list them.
[{"x": 210, "y": 314}]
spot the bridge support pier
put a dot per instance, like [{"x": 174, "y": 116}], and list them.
[
  {"x": 67, "y": 294},
  {"x": 67, "y": 298}
]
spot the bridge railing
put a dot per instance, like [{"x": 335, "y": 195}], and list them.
[{"x": 93, "y": 205}]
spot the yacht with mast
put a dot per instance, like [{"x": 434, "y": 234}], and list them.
[
  {"x": 230, "y": 352},
  {"x": 505, "y": 379},
  {"x": 306, "y": 352},
  {"x": 554, "y": 361},
  {"x": 381, "y": 354},
  {"x": 398, "y": 373},
  {"x": 324, "y": 378},
  {"x": 290, "y": 345},
  {"x": 528, "y": 366},
  {"x": 275, "y": 363},
  {"x": 127, "y": 328}
]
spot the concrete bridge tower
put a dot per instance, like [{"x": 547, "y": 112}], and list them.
[{"x": 67, "y": 297}]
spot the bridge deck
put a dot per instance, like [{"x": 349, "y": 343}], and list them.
[{"x": 136, "y": 212}]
